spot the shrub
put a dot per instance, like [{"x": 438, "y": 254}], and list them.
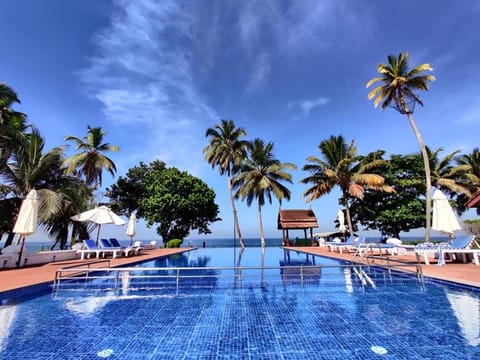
[{"x": 174, "y": 243}]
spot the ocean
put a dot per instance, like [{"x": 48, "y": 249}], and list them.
[{"x": 33, "y": 246}]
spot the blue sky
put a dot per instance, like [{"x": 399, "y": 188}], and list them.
[{"x": 156, "y": 74}]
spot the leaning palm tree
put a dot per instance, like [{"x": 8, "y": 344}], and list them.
[
  {"x": 91, "y": 160},
  {"x": 225, "y": 151},
  {"x": 341, "y": 166},
  {"x": 398, "y": 85},
  {"x": 260, "y": 177}
]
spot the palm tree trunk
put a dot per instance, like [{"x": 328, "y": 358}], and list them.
[
  {"x": 428, "y": 181},
  {"x": 347, "y": 213},
  {"x": 260, "y": 223},
  {"x": 235, "y": 217}
]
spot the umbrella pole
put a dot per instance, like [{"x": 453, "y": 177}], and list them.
[
  {"x": 98, "y": 232},
  {"x": 21, "y": 251},
  {"x": 131, "y": 240}
]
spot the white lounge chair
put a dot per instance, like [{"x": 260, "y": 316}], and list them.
[
  {"x": 90, "y": 247},
  {"x": 351, "y": 243},
  {"x": 460, "y": 245}
]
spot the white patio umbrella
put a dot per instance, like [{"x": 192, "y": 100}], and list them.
[
  {"x": 26, "y": 223},
  {"x": 99, "y": 215},
  {"x": 443, "y": 219},
  {"x": 131, "y": 227}
]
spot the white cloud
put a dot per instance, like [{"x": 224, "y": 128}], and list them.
[
  {"x": 306, "y": 106},
  {"x": 261, "y": 71},
  {"x": 144, "y": 78}
]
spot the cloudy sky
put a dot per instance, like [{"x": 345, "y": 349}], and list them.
[{"x": 156, "y": 74}]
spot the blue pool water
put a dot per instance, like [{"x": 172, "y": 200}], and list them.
[{"x": 270, "y": 316}]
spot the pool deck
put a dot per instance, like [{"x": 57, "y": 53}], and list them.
[
  {"x": 466, "y": 274},
  {"x": 16, "y": 278},
  {"x": 11, "y": 279}
]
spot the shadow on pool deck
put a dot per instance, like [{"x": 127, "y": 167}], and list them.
[{"x": 16, "y": 278}]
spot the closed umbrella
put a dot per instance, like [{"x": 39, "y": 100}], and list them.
[
  {"x": 443, "y": 219},
  {"x": 99, "y": 215},
  {"x": 341, "y": 222},
  {"x": 131, "y": 227},
  {"x": 26, "y": 223}
]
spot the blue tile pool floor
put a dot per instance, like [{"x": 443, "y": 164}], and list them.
[{"x": 399, "y": 321}]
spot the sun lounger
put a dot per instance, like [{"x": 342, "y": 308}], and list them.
[
  {"x": 460, "y": 245},
  {"x": 115, "y": 251},
  {"x": 348, "y": 245},
  {"x": 128, "y": 249},
  {"x": 151, "y": 246},
  {"x": 90, "y": 247}
]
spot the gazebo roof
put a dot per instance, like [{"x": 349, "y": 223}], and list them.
[
  {"x": 474, "y": 201},
  {"x": 296, "y": 219}
]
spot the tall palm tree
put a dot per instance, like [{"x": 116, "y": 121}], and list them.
[
  {"x": 227, "y": 150},
  {"x": 91, "y": 160},
  {"x": 341, "y": 166},
  {"x": 260, "y": 177},
  {"x": 398, "y": 85}
]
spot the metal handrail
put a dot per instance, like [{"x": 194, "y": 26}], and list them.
[
  {"x": 302, "y": 274},
  {"x": 75, "y": 271}
]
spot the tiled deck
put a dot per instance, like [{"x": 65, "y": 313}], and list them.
[
  {"x": 467, "y": 274},
  {"x": 11, "y": 279}
]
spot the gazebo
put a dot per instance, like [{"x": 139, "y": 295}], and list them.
[{"x": 296, "y": 220}]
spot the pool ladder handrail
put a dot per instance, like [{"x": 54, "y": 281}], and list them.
[{"x": 78, "y": 269}]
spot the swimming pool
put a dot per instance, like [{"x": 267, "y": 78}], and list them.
[{"x": 271, "y": 320}]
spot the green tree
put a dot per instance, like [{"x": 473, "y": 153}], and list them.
[
  {"x": 398, "y": 85},
  {"x": 174, "y": 200},
  {"x": 226, "y": 151},
  {"x": 260, "y": 177},
  {"x": 91, "y": 160},
  {"x": 394, "y": 212},
  {"x": 341, "y": 166},
  {"x": 126, "y": 193}
]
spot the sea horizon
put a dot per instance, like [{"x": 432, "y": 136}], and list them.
[{"x": 37, "y": 245}]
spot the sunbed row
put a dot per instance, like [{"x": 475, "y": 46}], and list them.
[
  {"x": 462, "y": 246},
  {"x": 110, "y": 247}
]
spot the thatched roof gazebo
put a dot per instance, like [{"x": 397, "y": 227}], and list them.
[{"x": 296, "y": 220}]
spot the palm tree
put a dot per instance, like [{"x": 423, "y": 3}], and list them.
[
  {"x": 260, "y": 176},
  {"x": 341, "y": 166},
  {"x": 397, "y": 89},
  {"x": 91, "y": 161},
  {"x": 225, "y": 151},
  {"x": 12, "y": 123},
  {"x": 471, "y": 177},
  {"x": 446, "y": 176},
  {"x": 30, "y": 168}
]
